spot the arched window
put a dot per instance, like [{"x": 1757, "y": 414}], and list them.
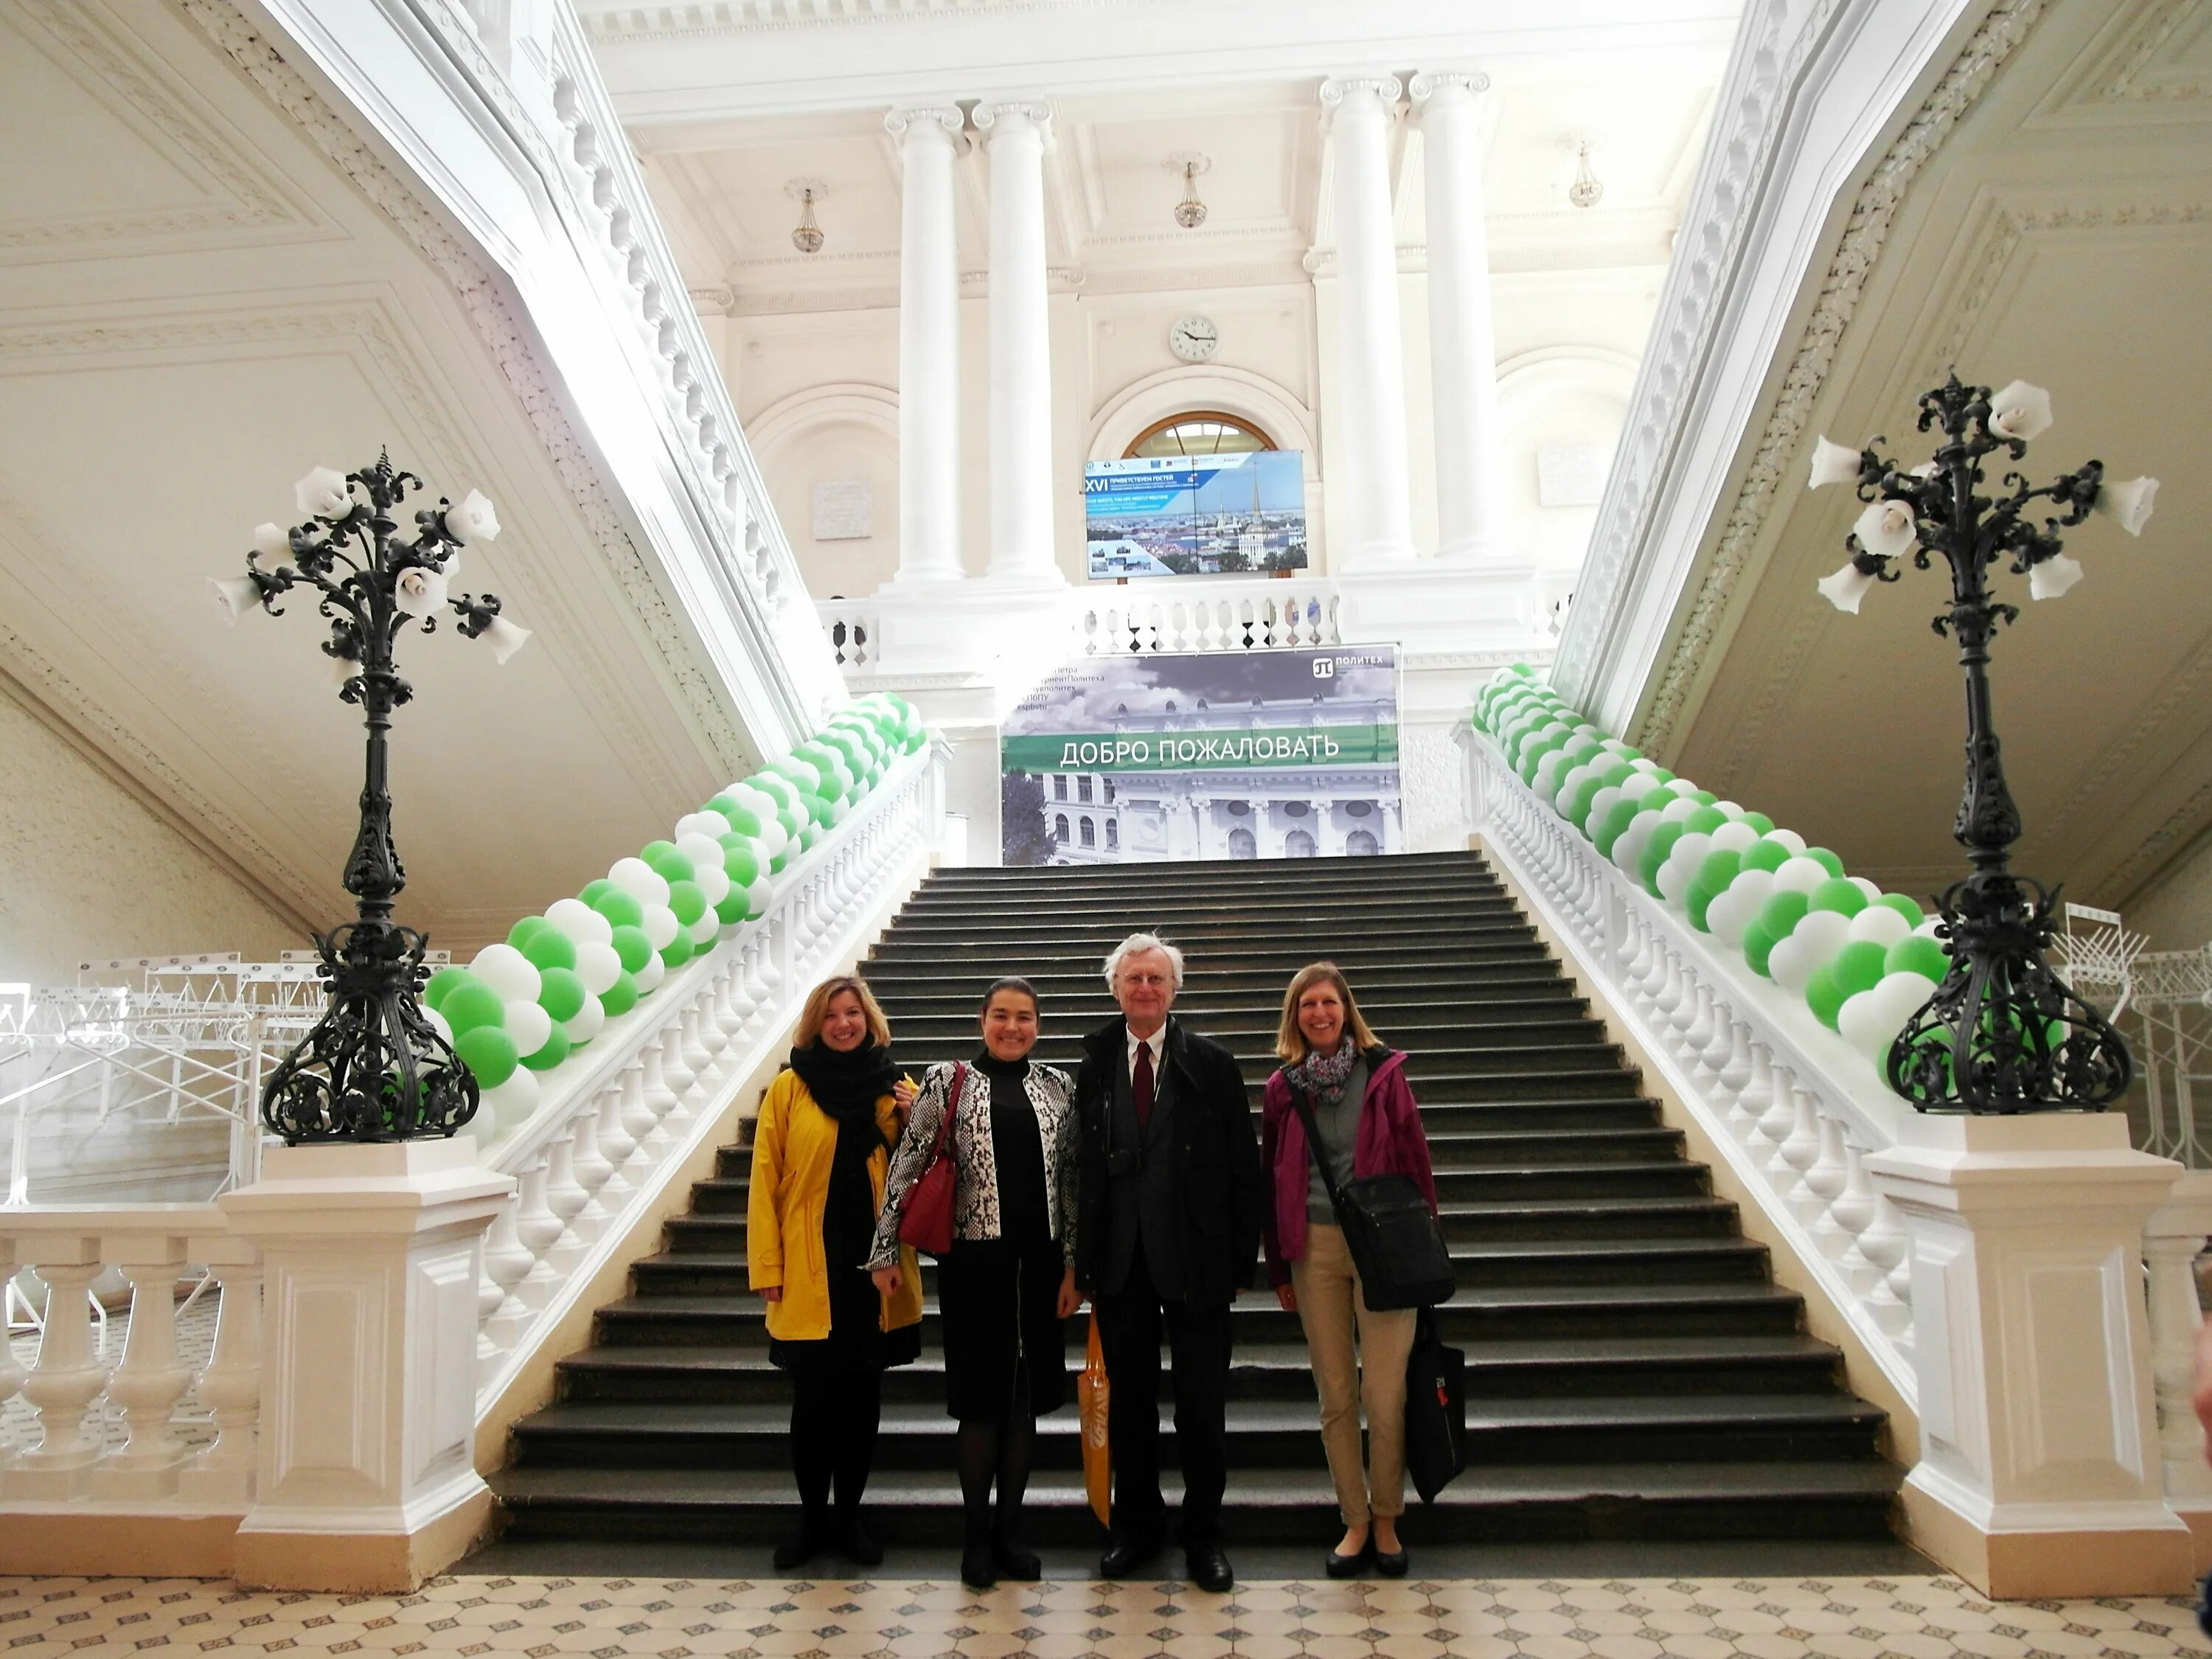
[
  {"x": 1090, "y": 833},
  {"x": 1243, "y": 844},
  {"x": 1360, "y": 844},
  {"x": 1298, "y": 845},
  {"x": 1199, "y": 432},
  {"x": 1113, "y": 834},
  {"x": 1060, "y": 828}
]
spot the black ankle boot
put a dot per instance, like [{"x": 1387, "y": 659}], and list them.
[
  {"x": 978, "y": 1565},
  {"x": 805, "y": 1544},
  {"x": 853, "y": 1541},
  {"x": 1011, "y": 1560}
]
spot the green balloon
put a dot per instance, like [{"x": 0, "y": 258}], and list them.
[
  {"x": 821, "y": 810},
  {"x": 744, "y": 821},
  {"x": 741, "y": 859},
  {"x": 632, "y": 946},
  {"x": 1916, "y": 953},
  {"x": 1758, "y": 943},
  {"x": 1836, "y": 893},
  {"x": 1765, "y": 855},
  {"x": 1824, "y": 857},
  {"x": 1781, "y": 914},
  {"x": 594, "y": 890},
  {"x": 1759, "y": 822},
  {"x": 1577, "y": 808},
  {"x": 468, "y": 1006},
  {"x": 687, "y": 901},
  {"x": 1703, "y": 821},
  {"x": 1655, "y": 850},
  {"x": 1703, "y": 797},
  {"x": 523, "y": 931},
  {"x": 1904, "y": 907},
  {"x": 667, "y": 863},
  {"x": 620, "y": 909},
  {"x": 775, "y": 865},
  {"x": 1823, "y": 995},
  {"x": 1618, "y": 816},
  {"x": 550, "y": 948},
  {"x": 792, "y": 821},
  {"x": 443, "y": 983},
  {"x": 677, "y": 952},
  {"x": 620, "y": 997},
  {"x": 731, "y": 909},
  {"x": 1858, "y": 966},
  {"x": 555, "y": 1051},
  {"x": 560, "y": 993},
  {"x": 489, "y": 1052},
  {"x": 1713, "y": 877}
]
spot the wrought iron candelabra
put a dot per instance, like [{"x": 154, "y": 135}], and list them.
[
  {"x": 2003, "y": 1033},
  {"x": 374, "y": 1069}
]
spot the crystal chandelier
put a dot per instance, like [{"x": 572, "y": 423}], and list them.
[
  {"x": 1190, "y": 212},
  {"x": 1586, "y": 190},
  {"x": 807, "y": 238}
]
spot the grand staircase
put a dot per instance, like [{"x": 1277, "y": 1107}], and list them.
[{"x": 1632, "y": 1370}]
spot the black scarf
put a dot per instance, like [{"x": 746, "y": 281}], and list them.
[{"x": 846, "y": 1084}]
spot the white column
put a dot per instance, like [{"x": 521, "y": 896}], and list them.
[
  {"x": 1370, "y": 366},
  {"x": 1021, "y": 346},
  {"x": 1462, "y": 336},
  {"x": 929, "y": 346}
]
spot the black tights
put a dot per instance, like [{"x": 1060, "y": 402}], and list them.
[
  {"x": 833, "y": 1437},
  {"x": 1001, "y": 1449}
]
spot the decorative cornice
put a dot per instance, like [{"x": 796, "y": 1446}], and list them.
[
  {"x": 708, "y": 17},
  {"x": 930, "y": 121},
  {"x": 1387, "y": 89},
  {"x": 498, "y": 327},
  {"x": 1865, "y": 236},
  {"x": 2127, "y": 877},
  {"x": 1018, "y": 115},
  {"x": 1429, "y": 84},
  {"x": 2127, "y": 83}
]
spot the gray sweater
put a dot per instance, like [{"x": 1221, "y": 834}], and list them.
[{"x": 1339, "y": 1129}]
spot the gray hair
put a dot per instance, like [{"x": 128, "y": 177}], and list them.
[{"x": 1138, "y": 945}]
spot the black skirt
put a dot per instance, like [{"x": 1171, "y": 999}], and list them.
[
  {"x": 857, "y": 1340},
  {"x": 1000, "y": 1304}
]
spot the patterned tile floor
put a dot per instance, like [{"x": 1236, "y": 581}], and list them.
[{"x": 640, "y": 1617}]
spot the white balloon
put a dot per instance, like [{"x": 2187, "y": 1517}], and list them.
[
  {"x": 1644, "y": 764},
  {"x": 1928, "y": 926},
  {"x": 840, "y": 809},
  {"x": 640, "y": 880},
  {"x": 661, "y": 925},
  {"x": 704, "y": 854},
  {"x": 1788, "y": 838},
  {"x": 529, "y": 1025},
  {"x": 588, "y": 1022},
  {"x": 1678, "y": 809},
  {"x": 1689, "y": 851},
  {"x": 438, "y": 1023},
  {"x": 1545, "y": 783},
  {"x": 1731, "y": 914},
  {"x": 1727, "y": 809},
  {"x": 598, "y": 965},
  {"x": 514, "y": 1101},
  {"x": 1613, "y": 746},
  {"x": 1574, "y": 777},
  {"x": 1811, "y": 944},
  {"x": 757, "y": 801},
  {"x": 1865, "y": 886},
  {"x": 757, "y": 897},
  {"x": 772, "y": 837},
  {"x": 1870, "y": 1021},
  {"x": 578, "y": 922},
  {"x": 1881, "y": 924},
  {"x": 1628, "y": 849},
  {"x": 713, "y": 881},
  {"x": 1601, "y": 803},
  {"x": 648, "y": 977},
  {"x": 509, "y": 972},
  {"x": 712, "y": 825},
  {"x": 1800, "y": 875},
  {"x": 706, "y": 930},
  {"x": 1735, "y": 836}
]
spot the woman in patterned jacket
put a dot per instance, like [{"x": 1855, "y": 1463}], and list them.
[{"x": 1009, "y": 1283}]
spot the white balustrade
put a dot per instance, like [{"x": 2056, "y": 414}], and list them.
[{"x": 140, "y": 1431}]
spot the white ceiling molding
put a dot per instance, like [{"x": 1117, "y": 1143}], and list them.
[
  {"x": 1757, "y": 231},
  {"x": 1267, "y": 404}
]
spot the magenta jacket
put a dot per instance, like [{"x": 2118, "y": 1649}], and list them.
[{"x": 1389, "y": 1141}]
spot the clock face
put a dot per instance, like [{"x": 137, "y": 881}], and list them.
[{"x": 1194, "y": 339}]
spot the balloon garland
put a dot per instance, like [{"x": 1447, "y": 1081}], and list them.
[
  {"x": 1862, "y": 960},
  {"x": 521, "y": 1008}
]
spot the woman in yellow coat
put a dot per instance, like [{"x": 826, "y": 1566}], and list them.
[{"x": 820, "y": 1151}]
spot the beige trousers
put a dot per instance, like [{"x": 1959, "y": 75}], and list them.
[{"x": 1330, "y": 1306}]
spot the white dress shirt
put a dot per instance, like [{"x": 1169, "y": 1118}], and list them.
[{"x": 1157, "y": 1043}]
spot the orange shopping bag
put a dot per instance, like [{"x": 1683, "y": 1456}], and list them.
[{"x": 1091, "y": 1392}]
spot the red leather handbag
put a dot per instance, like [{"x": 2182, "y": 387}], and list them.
[{"x": 926, "y": 1223}]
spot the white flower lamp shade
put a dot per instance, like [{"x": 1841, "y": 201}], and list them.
[
  {"x": 1834, "y": 464},
  {"x": 235, "y": 595},
  {"x": 424, "y": 590},
  {"x": 2128, "y": 501},
  {"x": 2053, "y": 577},
  {"x": 324, "y": 494},
  {"x": 272, "y": 543},
  {"x": 1844, "y": 589},
  {"x": 2021, "y": 411},
  {"x": 1886, "y": 530},
  {"x": 472, "y": 519},
  {"x": 504, "y": 638}
]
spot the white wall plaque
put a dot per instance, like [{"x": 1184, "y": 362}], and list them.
[
  {"x": 844, "y": 510},
  {"x": 1569, "y": 475}
]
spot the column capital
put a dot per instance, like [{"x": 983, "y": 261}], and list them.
[
  {"x": 909, "y": 121},
  {"x": 1012, "y": 115},
  {"x": 1446, "y": 84},
  {"x": 1341, "y": 89}
]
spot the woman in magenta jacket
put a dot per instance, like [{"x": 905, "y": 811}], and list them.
[{"x": 1367, "y": 1125}]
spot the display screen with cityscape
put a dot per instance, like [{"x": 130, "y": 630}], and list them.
[{"x": 1196, "y": 516}]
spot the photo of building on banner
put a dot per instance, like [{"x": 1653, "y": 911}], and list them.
[
  {"x": 1196, "y": 515},
  {"x": 1242, "y": 754}
]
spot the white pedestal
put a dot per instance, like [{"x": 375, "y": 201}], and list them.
[
  {"x": 2039, "y": 1470},
  {"x": 373, "y": 1257}
]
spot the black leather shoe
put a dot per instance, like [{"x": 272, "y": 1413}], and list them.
[
  {"x": 977, "y": 1571},
  {"x": 1016, "y": 1564},
  {"x": 1338, "y": 1565},
  {"x": 1126, "y": 1556},
  {"x": 798, "y": 1550},
  {"x": 1209, "y": 1569},
  {"x": 1391, "y": 1564},
  {"x": 852, "y": 1541}
]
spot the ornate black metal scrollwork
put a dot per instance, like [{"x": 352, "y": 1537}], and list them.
[
  {"x": 373, "y": 1068},
  {"x": 2003, "y": 1032}
]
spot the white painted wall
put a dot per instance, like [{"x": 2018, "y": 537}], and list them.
[{"x": 88, "y": 872}]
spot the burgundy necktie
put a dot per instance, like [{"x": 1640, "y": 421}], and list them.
[{"x": 1140, "y": 1087}]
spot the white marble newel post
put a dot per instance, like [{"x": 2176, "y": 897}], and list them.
[
  {"x": 1021, "y": 347},
  {"x": 1462, "y": 334},
  {"x": 373, "y": 1256},
  {"x": 929, "y": 346},
  {"x": 1370, "y": 366}
]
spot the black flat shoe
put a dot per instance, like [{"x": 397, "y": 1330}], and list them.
[
  {"x": 1337, "y": 1565},
  {"x": 1014, "y": 1563},
  {"x": 1391, "y": 1564},
  {"x": 852, "y": 1541},
  {"x": 977, "y": 1571},
  {"x": 796, "y": 1552},
  {"x": 1126, "y": 1556},
  {"x": 1209, "y": 1569}
]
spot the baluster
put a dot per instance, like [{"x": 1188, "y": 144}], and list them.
[
  {"x": 1698, "y": 1035},
  {"x": 658, "y": 1096},
  {"x": 691, "y": 1044},
  {"x": 618, "y": 1141},
  {"x": 507, "y": 1261},
  {"x": 1825, "y": 1182},
  {"x": 1722, "y": 1048},
  {"x": 732, "y": 1011},
  {"x": 1799, "y": 1153},
  {"x": 676, "y": 1068},
  {"x": 540, "y": 1229},
  {"x": 566, "y": 1197},
  {"x": 149, "y": 1382},
  {"x": 592, "y": 1168},
  {"x": 1775, "y": 1124},
  {"x": 64, "y": 1380},
  {"x": 1752, "y": 1097},
  {"x": 2175, "y": 1319},
  {"x": 230, "y": 1387},
  {"x": 641, "y": 1119}
]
